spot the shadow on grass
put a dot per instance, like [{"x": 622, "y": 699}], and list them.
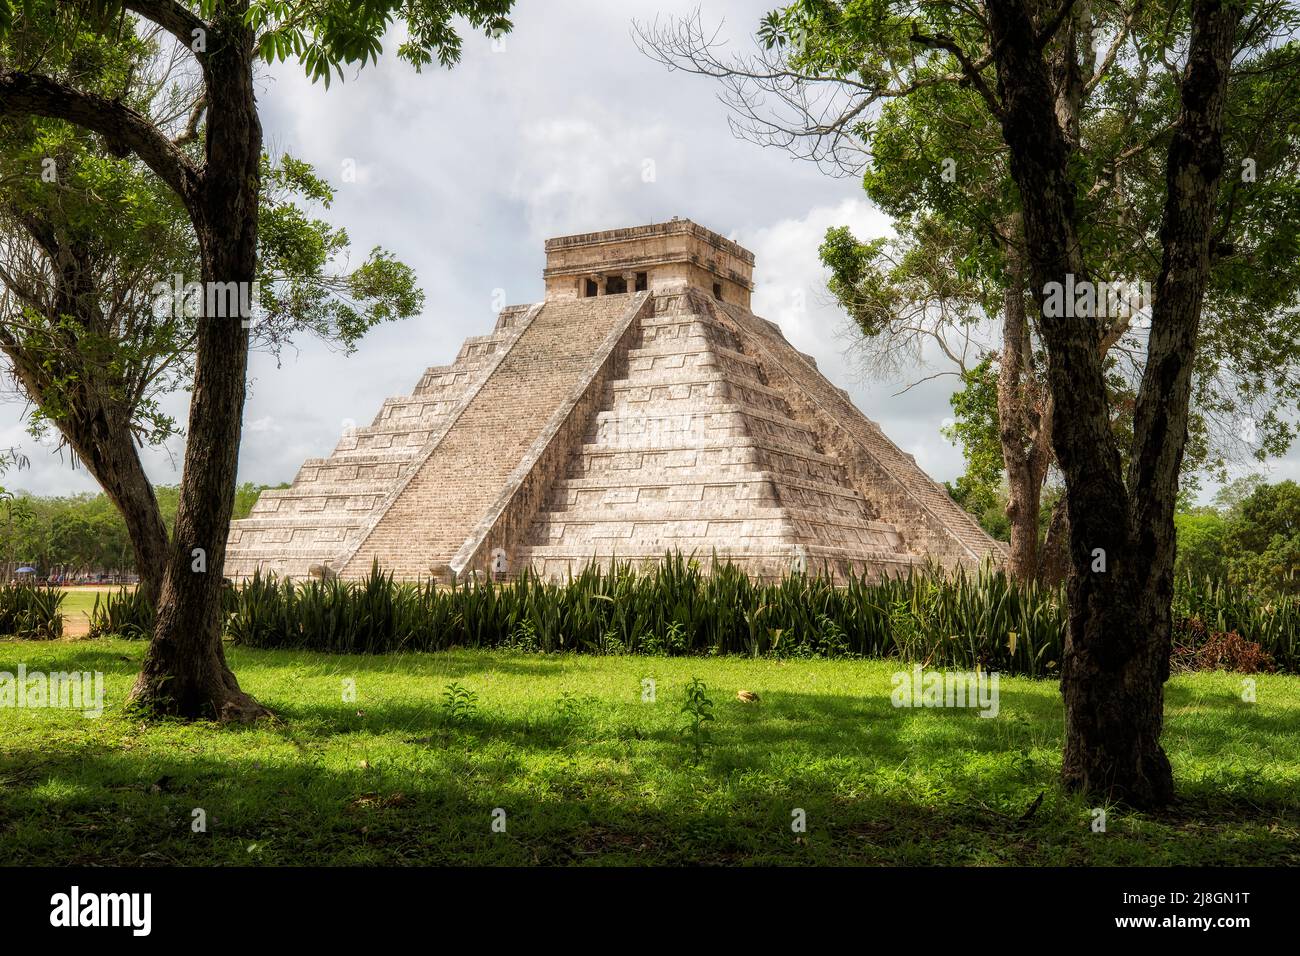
[
  {"x": 877, "y": 785},
  {"x": 610, "y": 782},
  {"x": 119, "y": 808}
]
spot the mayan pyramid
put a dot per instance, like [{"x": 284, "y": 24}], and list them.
[{"x": 639, "y": 409}]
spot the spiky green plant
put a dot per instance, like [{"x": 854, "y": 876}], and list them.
[
  {"x": 31, "y": 612},
  {"x": 124, "y": 613},
  {"x": 961, "y": 619}
]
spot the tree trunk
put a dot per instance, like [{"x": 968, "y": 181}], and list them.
[
  {"x": 1025, "y": 449},
  {"x": 185, "y": 672},
  {"x": 105, "y": 447},
  {"x": 1121, "y": 541},
  {"x": 110, "y": 456},
  {"x": 1054, "y": 559}
]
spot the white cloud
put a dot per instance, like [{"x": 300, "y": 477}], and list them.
[{"x": 579, "y": 170}]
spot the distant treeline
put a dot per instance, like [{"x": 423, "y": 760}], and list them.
[
  {"x": 1249, "y": 537},
  {"x": 82, "y": 534}
]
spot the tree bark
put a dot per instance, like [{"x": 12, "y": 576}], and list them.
[
  {"x": 1054, "y": 557},
  {"x": 111, "y": 457},
  {"x": 1121, "y": 545},
  {"x": 185, "y": 672},
  {"x": 1022, "y": 422}
]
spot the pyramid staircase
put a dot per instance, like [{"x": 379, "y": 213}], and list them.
[
  {"x": 331, "y": 502},
  {"x": 693, "y": 451}
]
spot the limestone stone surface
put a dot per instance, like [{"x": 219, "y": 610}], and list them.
[{"x": 616, "y": 425}]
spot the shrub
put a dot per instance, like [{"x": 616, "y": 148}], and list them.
[
  {"x": 122, "y": 613},
  {"x": 1274, "y": 624},
  {"x": 1197, "y": 647},
  {"x": 31, "y": 612}
]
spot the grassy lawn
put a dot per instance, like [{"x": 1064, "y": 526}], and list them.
[
  {"x": 77, "y": 604},
  {"x": 598, "y": 776}
]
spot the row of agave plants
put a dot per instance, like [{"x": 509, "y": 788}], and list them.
[
  {"x": 965, "y": 620},
  {"x": 31, "y": 612}
]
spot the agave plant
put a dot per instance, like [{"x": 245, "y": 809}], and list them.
[
  {"x": 122, "y": 613},
  {"x": 31, "y": 612}
]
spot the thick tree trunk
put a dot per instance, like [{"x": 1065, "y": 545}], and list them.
[
  {"x": 185, "y": 672},
  {"x": 1024, "y": 498},
  {"x": 109, "y": 454},
  {"x": 1121, "y": 546}
]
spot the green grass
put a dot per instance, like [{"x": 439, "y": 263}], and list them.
[{"x": 588, "y": 773}]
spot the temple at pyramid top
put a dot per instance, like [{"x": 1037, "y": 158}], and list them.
[
  {"x": 639, "y": 409},
  {"x": 664, "y": 258}
]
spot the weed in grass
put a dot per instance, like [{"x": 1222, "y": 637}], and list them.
[
  {"x": 523, "y": 638},
  {"x": 459, "y": 703},
  {"x": 698, "y": 708},
  {"x": 569, "y": 711}
]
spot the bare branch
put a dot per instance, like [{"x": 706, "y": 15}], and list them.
[
  {"x": 191, "y": 131},
  {"x": 973, "y": 71}
]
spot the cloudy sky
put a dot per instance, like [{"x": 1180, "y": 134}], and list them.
[{"x": 463, "y": 174}]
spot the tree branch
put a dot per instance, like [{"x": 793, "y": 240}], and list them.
[
  {"x": 191, "y": 131},
  {"x": 972, "y": 70},
  {"x": 23, "y": 94},
  {"x": 1045, "y": 35},
  {"x": 173, "y": 17}
]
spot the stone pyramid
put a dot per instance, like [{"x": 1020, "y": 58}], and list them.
[{"x": 640, "y": 409}]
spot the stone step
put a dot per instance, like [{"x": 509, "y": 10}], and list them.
[
  {"x": 325, "y": 490},
  {"x": 829, "y": 528},
  {"x": 405, "y": 441},
  {"x": 676, "y": 378},
  {"x": 707, "y": 456},
  {"x": 669, "y": 348},
  {"x": 663, "y": 485},
  {"x": 665, "y": 526},
  {"x": 317, "y": 504},
  {"x": 319, "y": 520},
  {"x": 412, "y": 410},
  {"x": 727, "y": 420},
  {"x": 432, "y": 513},
  {"x": 695, "y": 390}
]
